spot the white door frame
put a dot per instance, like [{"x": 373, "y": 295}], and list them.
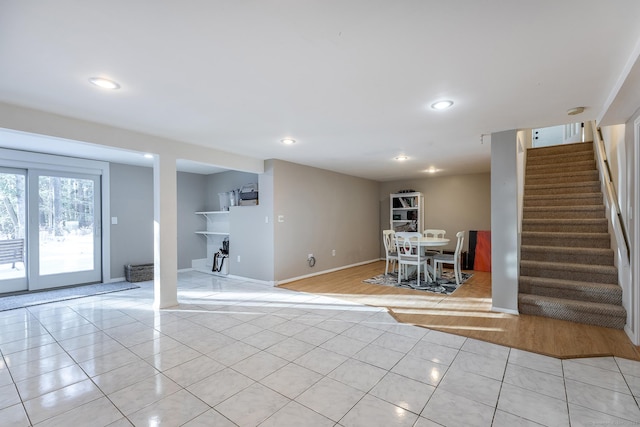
[{"x": 29, "y": 160}]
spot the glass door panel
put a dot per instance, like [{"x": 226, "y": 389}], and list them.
[
  {"x": 68, "y": 230},
  {"x": 13, "y": 267}
]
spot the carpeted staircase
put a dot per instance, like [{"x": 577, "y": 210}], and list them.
[{"x": 566, "y": 263}]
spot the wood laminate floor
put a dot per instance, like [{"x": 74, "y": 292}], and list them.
[{"x": 468, "y": 312}]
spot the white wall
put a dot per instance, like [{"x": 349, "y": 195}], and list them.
[{"x": 504, "y": 222}]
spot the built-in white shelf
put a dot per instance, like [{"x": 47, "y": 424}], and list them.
[{"x": 215, "y": 233}]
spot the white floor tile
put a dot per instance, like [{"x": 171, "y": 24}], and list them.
[
  {"x": 173, "y": 410},
  {"x": 535, "y": 361},
  {"x": 379, "y": 356},
  {"x": 143, "y": 393},
  {"x": 295, "y": 415},
  {"x": 209, "y": 419},
  {"x": 14, "y": 416},
  {"x": 330, "y": 398},
  {"x": 609, "y": 402},
  {"x": 372, "y": 411},
  {"x": 220, "y": 386},
  {"x": 252, "y": 405},
  {"x": 60, "y": 401},
  {"x": 99, "y": 412},
  {"x": 291, "y": 380},
  {"x": 270, "y": 356},
  {"x": 472, "y": 386},
  {"x": 537, "y": 381},
  {"x": 612, "y": 380},
  {"x": 449, "y": 409},
  {"x": 533, "y": 406},
  {"x": 321, "y": 360},
  {"x": 51, "y": 381},
  {"x": 420, "y": 370},
  {"x": 260, "y": 365},
  {"x": 403, "y": 392}
]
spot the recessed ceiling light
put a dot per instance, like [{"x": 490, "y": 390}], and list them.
[
  {"x": 431, "y": 170},
  {"x": 574, "y": 111},
  {"x": 288, "y": 141},
  {"x": 104, "y": 83},
  {"x": 442, "y": 105},
  {"x": 401, "y": 158}
]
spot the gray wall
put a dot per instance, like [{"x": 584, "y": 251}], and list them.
[
  {"x": 452, "y": 203},
  {"x": 191, "y": 198},
  {"x": 223, "y": 182},
  {"x": 322, "y": 211},
  {"x": 132, "y": 204}
]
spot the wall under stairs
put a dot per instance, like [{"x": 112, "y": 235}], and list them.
[{"x": 566, "y": 262}]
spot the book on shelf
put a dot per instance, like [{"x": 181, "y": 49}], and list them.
[{"x": 403, "y": 202}]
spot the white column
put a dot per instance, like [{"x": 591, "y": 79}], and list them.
[
  {"x": 505, "y": 260},
  {"x": 165, "y": 232}
]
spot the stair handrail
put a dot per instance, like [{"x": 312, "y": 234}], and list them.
[{"x": 610, "y": 193}]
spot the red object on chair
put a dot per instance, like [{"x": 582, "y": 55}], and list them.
[{"x": 482, "y": 260}]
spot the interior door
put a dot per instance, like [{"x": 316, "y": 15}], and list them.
[
  {"x": 13, "y": 242},
  {"x": 65, "y": 229}
]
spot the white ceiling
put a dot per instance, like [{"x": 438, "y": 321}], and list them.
[{"x": 350, "y": 80}]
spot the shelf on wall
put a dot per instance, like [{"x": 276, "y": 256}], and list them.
[{"x": 215, "y": 233}]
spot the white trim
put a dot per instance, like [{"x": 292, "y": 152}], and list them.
[
  {"x": 505, "y": 310},
  {"x": 116, "y": 279},
  {"x": 632, "y": 328},
  {"x": 248, "y": 279},
  {"x": 306, "y": 276}
]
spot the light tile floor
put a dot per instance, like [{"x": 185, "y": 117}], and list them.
[{"x": 241, "y": 353}]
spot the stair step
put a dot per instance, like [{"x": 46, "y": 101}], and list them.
[
  {"x": 563, "y": 212},
  {"x": 571, "y": 255},
  {"x": 559, "y": 149},
  {"x": 576, "y": 176},
  {"x": 568, "y": 271},
  {"x": 591, "y": 313},
  {"x": 560, "y": 158},
  {"x": 573, "y": 240},
  {"x": 589, "y": 225},
  {"x": 583, "y": 165},
  {"x": 604, "y": 293},
  {"x": 562, "y": 188},
  {"x": 565, "y": 200}
]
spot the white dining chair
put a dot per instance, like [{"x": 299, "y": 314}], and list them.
[
  {"x": 409, "y": 254},
  {"x": 391, "y": 252},
  {"x": 454, "y": 259},
  {"x": 432, "y": 232}
]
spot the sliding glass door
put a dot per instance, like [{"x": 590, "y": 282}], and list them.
[
  {"x": 13, "y": 242},
  {"x": 65, "y": 229},
  {"x": 50, "y": 229}
]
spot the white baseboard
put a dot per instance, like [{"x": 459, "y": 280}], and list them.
[
  {"x": 115, "y": 279},
  {"x": 306, "y": 276},
  {"x": 248, "y": 279},
  {"x": 505, "y": 310}
]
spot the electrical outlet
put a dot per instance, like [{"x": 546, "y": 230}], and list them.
[
  {"x": 238, "y": 258},
  {"x": 333, "y": 252},
  {"x": 309, "y": 256}
]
